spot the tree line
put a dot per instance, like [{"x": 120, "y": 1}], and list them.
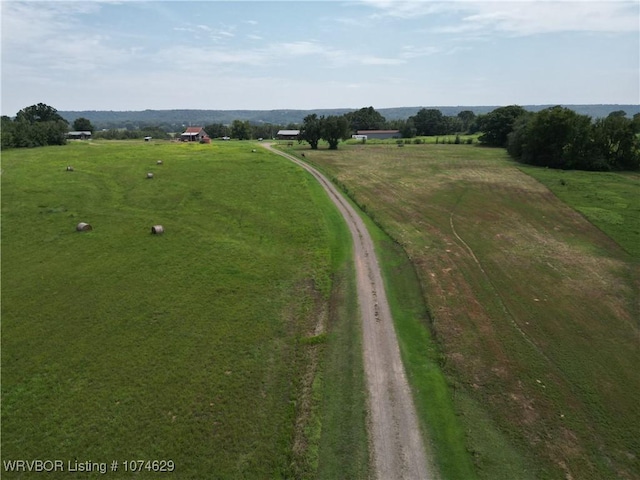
[
  {"x": 555, "y": 137},
  {"x": 558, "y": 137}
]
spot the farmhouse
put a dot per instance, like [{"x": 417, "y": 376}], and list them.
[
  {"x": 83, "y": 135},
  {"x": 193, "y": 134},
  {"x": 288, "y": 134},
  {"x": 381, "y": 134}
]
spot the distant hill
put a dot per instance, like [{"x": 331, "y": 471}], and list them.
[{"x": 175, "y": 120}]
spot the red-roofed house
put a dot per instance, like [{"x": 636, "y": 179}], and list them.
[{"x": 193, "y": 134}]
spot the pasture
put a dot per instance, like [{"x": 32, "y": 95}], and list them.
[
  {"x": 217, "y": 345},
  {"x": 532, "y": 308}
]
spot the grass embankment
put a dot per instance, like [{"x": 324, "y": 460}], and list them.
[
  {"x": 192, "y": 346},
  {"x": 533, "y": 308}
]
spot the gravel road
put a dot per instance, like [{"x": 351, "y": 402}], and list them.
[{"x": 398, "y": 450}]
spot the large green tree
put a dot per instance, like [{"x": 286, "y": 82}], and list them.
[
  {"x": 311, "y": 130},
  {"x": 82, "y": 124},
  {"x": 430, "y": 122},
  {"x": 498, "y": 124},
  {"x": 616, "y": 142},
  {"x": 334, "y": 129},
  {"x": 217, "y": 130},
  {"x": 365, "y": 119},
  {"x": 241, "y": 130},
  {"x": 36, "y": 126},
  {"x": 555, "y": 137},
  {"x": 39, "y": 113},
  {"x": 407, "y": 128},
  {"x": 466, "y": 117}
]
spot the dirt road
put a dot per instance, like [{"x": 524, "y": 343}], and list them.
[{"x": 397, "y": 448}]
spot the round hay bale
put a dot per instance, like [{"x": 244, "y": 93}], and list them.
[
  {"x": 159, "y": 162},
  {"x": 157, "y": 230},
  {"x": 84, "y": 227},
  {"x": 149, "y": 175},
  {"x": 69, "y": 168}
]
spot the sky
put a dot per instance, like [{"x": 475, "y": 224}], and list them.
[{"x": 263, "y": 55}]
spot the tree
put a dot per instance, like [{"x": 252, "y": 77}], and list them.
[
  {"x": 334, "y": 129},
  {"x": 39, "y": 113},
  {"x": 618, "y": 113},
  {"x": 636, "y": 123},
  {"x": 311, "y": 130},
  {"x": 82, "y": 125},
  {"x": 498, "y": 124},
  {"x": 265, "y": 130},
  {"x": 466, "y": 118},
  {"x": 365, "y": 119},
  {"x": 241, "y": 130},
  {"x": 429, "y": 122},
  {"x": 7, "y": 128},
  {"x": 616, "y": 141},
  {"x": 407, "y": 129},
  {"x": 38, "y": 125},
  {"x": 558, "y": 137},
  {"x": 217, "y": 130}
]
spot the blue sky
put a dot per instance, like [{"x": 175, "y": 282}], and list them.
[{"x": 259, "y": 55}]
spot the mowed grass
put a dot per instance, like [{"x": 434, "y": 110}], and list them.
[
  {"x": 533, "y": 308},
  {"x": 192, "y": 346},
  {"x": 609, "y": 200}
]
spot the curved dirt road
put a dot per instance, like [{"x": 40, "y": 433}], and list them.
[{"x": 397, "y": 447}]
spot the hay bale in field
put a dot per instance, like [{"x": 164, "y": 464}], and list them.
[
  {"x": 159, "y": 162},
  {"x": 83, "y": 227},
  {"x": 149, "y": 175},
  {"x": 157, "y": 230},
  {"x": 69, "y": 168}
]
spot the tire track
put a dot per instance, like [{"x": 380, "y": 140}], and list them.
[{"x": 398, "y": 450}]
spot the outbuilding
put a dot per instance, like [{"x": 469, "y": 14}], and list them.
[
  {"x": 380, "y": 134},
  {"x": 80, "y": 135},
  {"x": 288, "y": 134},
  {"x": 193, "y": 134}
]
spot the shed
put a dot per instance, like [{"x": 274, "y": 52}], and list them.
[
  {"x": 288, "y": 134},
  {"x": 380, "y": 134},
  {"x": 193, "y": 134},
  {"x": 80, "y": 135}
]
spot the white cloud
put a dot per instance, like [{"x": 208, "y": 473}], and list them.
[
  {"x": 529, "y": 18},
  {"x": 160, "y": 55},
  {"x": 48, "y": 37},
  {"x": 411, "y": 51},
  {"x": 519, "y": 17}
]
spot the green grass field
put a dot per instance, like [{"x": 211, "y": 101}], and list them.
[
  {"x": 533, "y": 308},
  {"x": 197, "y": 346},
  {"x": 608, "y": 200}
]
